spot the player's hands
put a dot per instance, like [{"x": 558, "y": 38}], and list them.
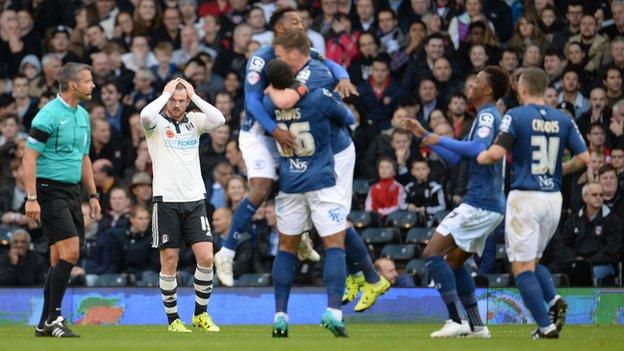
[
  {"x": 170, "y": 87},
  {"x": 483, "y": 159},
  {"x": 189, "y": 88},
  {"x": 402, "y": 154},
  {"x": 95, "y": 209},
  {"x": 346, "y": 89},
  {"x": 456, "y": 199},
  {"x": 33, "y": 211},
  {"x": 413, "y": 126},
  {"x": 285, "y": 138},
  {"x": 431, "y": 139}
]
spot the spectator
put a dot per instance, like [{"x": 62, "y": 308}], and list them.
[
  {"x": 147, "y": 18},
  {"x": 458, "y": 27},
  {"x": 144, "y": 90},
  {"x": 617, "y": 162},
  {"x": 233, "y": 58},
  {"x": 527, "y": 32},
  {"x": 322, "y": 22},
  {"x": 365, "y": 21},
  {"x": 593, "y": 44},
  {"x": 428, "y": 97},
  {"x": 96, "y": 39},
  {"x": 613, "y": 195},
  {"x": 20, "y": 265},
  {"x": 612, "y": 81},
  {"x": 387, "y": 269},
  {"x": 342, "y": 41},
  {"x": 509, "y": 60},
  {"x": 118, "y": 211},
  {"x": 553, "y": 65},
  {"x": 212, "y": 35},
  {"x": 212, "y": 151},
  {"x": 460, "y": 119},
  {"x": 190, "y": 47},
  {"x": 593, "y": 235},
  {"x": 531, "y": 57},
  {"x": 379, "y": 95},
  {"x": 208, "y": 82},
  {"x": 171, "y": 31},
  {"x": 447, "y": 82},
  {"x": 573, "y": 15},
  {"x": 423, "y": 65},
  {"x": 141, "y": 188},
  {"x": 220, "y": 175},
  {"x": 596, "y": 140},
  {"x": 105, "y": 180},
  {"x": 48, "y": 82},
  {"x": 9, "y": 130},
  {"x": 571, "y": 93},
  {"x": 96, "y": 254},
  {"x": 235, "y": 158},
  {"x": 235, "y": 190},
  {"x": 416, "y": 35},
  {"x": 387, "y": 195},
  {"x": 616, "y": 29},
  {"x": 12, "y": 200},
  {"x": 103, "y": 146},
  {"x": 117, "y": 114},
  {"x": 424, "y": 196},
  {"x": 361, "y": 68},
  {"x": 221, "y": 221},
  {"x": 598, "y": 113},
  {"x": 318, "y": 42},
  {"x": 225, "y": 103},
  {"x": 140, "y": 55},
  {"x": 124, "y": 27},
  {"x": 132, "y": 250},
  {"x": 165, "y": 70},
  {"x": 255, "y": 19},
  {"x": 118, "y": 69},
  {"x": 59, "y": 44}
]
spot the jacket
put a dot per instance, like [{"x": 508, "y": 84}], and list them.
[{"x": 385, "y": 197}]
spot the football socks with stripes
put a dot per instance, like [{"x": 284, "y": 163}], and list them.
[
  {"x": 203, "y": 288},
  {"x": 168, "y": 289}
]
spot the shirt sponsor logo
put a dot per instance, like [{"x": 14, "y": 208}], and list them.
[
  {"x": 546, "y": 182},
  {"x": 182, "y": 144},
  {"x": 295, "y": 165}
]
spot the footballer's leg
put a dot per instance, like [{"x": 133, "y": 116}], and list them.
[
  {"x": 466, "y": 291},
  {"x": 334, "y": 274},
  {"x": 557, "y": 307},
  {"x": 54, "y": 257},
  {"x": 283, "y": 279},
  {"x": 202, "y": 283},
  {"x": 442, "y": 274},
  {"x": 368, "y": 280},
  {"x": 168, "y": 288}
]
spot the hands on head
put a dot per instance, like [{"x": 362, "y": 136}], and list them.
[{"x": 171, "y": 87}]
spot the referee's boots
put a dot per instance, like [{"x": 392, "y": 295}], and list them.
[{"x": 59, "y": 329}]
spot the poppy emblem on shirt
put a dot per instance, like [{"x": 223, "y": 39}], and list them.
[{"x": 169, "y": 133}]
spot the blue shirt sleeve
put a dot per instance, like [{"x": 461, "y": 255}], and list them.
[
  {"x": 448, "y": 155},
  {"x": 575, "y": 140},
  {"x": 337, "y": 70},
  {"x": 253, "y": 101},
  {"x": 255, "y": 83},
  {"x": 337, "y": 111},
  {"x": 463, "y": 148}
]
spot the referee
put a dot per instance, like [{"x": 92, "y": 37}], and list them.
[{"x": 55, "y": 161}]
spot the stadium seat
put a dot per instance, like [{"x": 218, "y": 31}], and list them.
[
  {"x": 112, "y": 280},
  {"x": 501, "y": 252},
  {"x": 499, "y": 280},
  {"x": 360, "y": 219},
  {"x": 419, "y": 235},
  {"x": 361, "y": 187},
  {"x": 376, "y": 236},
  {"x": 402, "y": 219},
  {"x": 249, "y": 280},
  {"x": 418, "y": 269},
  {"x": 399, "y": 252}
]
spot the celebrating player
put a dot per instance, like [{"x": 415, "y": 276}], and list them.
[
  {"x": 308, "y": 193},
  {"x": 294, "y": 48},
  {"x": 179, "y": 194},
  {"x": 464, "y": 231},
  {"x": 255, "y": 140},
  {"x": 537, "y": 135}
]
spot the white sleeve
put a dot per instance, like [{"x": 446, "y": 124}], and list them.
[
  {"x": 214, "y": 118},
  {"x": 150, "y": 112}
]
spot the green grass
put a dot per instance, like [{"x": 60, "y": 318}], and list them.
[{"x": 386, "y": 337}]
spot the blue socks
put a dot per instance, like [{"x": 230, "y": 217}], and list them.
[
  {"x": 241, "y": 220},
  {"x": 283, "y": 278},
  {"x": 334, "y": 274},
  {"x": 533, "y": 297},
  {"x": 466, "y": 291},
  {"x": 546, "y": 282},
  {"x": 358, "y": 258},
  {"x": 442, "y": 274}
]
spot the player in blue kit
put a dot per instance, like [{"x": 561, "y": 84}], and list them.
[
  {"x": 464, "y": 230},
  {"x": 256, "y": 140},
  {"x": 537, "y": 136},
  {"x": 308, "y": 196},
  {"x": 294, "y": 48}
]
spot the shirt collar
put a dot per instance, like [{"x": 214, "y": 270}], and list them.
[
  {"x": 486, "y": 106},
  {"x": 64, "y": 102}
]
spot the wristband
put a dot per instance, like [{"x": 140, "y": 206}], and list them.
[{"x": 94, "y": 196}]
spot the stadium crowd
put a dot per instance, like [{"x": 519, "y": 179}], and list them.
[{"x": 408, "y": 58}]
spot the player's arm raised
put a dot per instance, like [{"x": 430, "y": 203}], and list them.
[
  {"x": 344, "y": 87},
  {"x": 418, "y": 130},
  {"x": 150, "y": 112},
  {"x": 214, "y": 117}
]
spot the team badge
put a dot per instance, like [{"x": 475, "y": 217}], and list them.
[{"x": 483, "y": 132}]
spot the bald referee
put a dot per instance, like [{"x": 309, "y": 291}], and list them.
[{"x": 55, "y": 161}]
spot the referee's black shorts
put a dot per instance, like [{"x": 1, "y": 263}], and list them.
[
  {"x": 173, "y": 222},
  {"x": 61, "y": 210}
]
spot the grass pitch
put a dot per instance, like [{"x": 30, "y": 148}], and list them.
[{"x": 387, "y": 337}]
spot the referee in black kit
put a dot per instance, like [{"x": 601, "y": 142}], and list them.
[{"x": 55, "y": 161}]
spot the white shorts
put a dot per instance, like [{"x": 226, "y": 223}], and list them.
[
  {"x": 470, "y": 226},
  {"x": 531, "y": 220},
  {"x": 344, "y": 163},
  {"x": 259, "y": 153},
  {"x": 297, "y": 212}
]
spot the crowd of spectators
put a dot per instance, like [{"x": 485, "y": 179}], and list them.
[{"x": 408, "y": 58}]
